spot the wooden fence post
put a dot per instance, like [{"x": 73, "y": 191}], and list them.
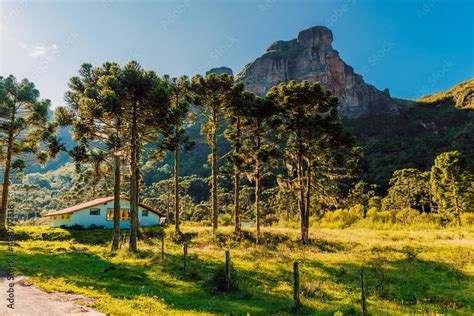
[
  {"x": 227, "y": 269},
  {"x": 363, "y": 301},
  {"x": 185, "y": 250},
  {"x": 296, "y": 286}
]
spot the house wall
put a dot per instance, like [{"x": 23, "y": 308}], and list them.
[
  {"x": 84, "y": 218},
  {"x": 59, "y": 220}
]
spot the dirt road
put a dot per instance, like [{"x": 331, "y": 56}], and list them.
[{"x": 30, "y": 300}]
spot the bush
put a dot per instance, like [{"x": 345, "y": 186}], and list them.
[
  {"x": 377, "y": 216},
  {"x": 182, "y": 238},
  {"x": 225, "y": 220},
  {"x": 206, "y": 223},
  {"x": 270, "y": 219},
  {"x": 343, "y": 217},
  {"x": 42, "y": 233},
  {"x": 94, "y": 226},
  {"x": 218, "y": 281},
  {"x": 408, "y": 216},
  {"x": 467, "y": 219}
]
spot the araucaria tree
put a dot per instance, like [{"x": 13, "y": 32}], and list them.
[
  {"x": 235, "y": 113},
  {"x": 210, "y": 95},
  {"x": 260, "y": 148},
  {"x": 147, "y": 111},
  {"x": 177, "y": 138},
  {"x": 312, "y": 127},
  {"x": 452, "y": 185},
  {"x": 409, "y": 188},
  {"x": 95, "y": 111},
  {"x": 26, "y": 133}
]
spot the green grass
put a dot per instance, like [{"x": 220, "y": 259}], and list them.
[{"x": 407, "y": 271}]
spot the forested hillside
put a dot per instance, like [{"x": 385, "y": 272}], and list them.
[{"x": 410, "y": 138}]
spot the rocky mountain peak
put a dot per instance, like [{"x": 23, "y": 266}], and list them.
[
  {"x": 220, "y": 70},
  {"x": 310, "y": 56}
]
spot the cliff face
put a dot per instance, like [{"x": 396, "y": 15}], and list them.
[{"x": 311, "y": 57}]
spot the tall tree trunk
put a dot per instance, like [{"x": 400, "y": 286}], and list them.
[
  {"x": 258, "y": 187},
  {"x": 308, "y": 201},
  {"x": 237, "y": 184},
  {"x": 6, "y": 177},
  {"x": 457, "y": 209},
  {"x": 258, "y": 194},
  {"x": 214, "y": 170},
  {"x": 176, "y": 187},
  {"x": 168, "y": 205},
  {"x": 116, "y": 230},
  {"x": 133, "y": 182},
  {"x": 301, "y": 200}
]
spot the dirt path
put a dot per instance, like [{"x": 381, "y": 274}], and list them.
[{"x": 30, "y": 300}]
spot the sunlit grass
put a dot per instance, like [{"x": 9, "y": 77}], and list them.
[{"x": 407, "y": 271}]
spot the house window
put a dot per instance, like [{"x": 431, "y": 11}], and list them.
[
  {"x": 144, "y": 212},
  {"x": 110, "y": 214},
  {"x": 94, "y": 211},
  {"x": 124, "y": 215}
]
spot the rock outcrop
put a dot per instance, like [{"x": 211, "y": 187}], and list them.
[
  {"x": 220, "y": 70},
  {"x": 311, "y": 57}
]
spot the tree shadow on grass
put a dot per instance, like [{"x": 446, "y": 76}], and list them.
[
  {"x": 407, "y": 282},
  {"x": 174, "y": 287}
]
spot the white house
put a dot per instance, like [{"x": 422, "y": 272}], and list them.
[{"x": 100, "y": 212}]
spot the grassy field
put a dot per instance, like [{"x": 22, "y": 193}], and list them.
[{"x": 407, "y": 271}]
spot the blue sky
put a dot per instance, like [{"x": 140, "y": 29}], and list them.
[{"x": 412, "y": 47}]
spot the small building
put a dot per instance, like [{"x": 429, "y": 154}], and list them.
[{"x": 100, "y": 212}]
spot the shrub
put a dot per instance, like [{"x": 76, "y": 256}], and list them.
[
  {"x": 153, "y": 232},
  {"x": 377, "y": 216},
  {"x": 182, "y": 238},
  {"x": 343, "y": 217},
  {"x": 467, "y": 218},
  {"x": 225, "y": 220},
  {"x": 270, "y": 219},
  {"x": 219, "y": 284},
  {"x": 408, "y": 216},
  {"x": 75, "y": 226},
  {"x": 42, "y": 233},
  {"x": 206, "y": 223},
  {"x": 94, "y": 226}
]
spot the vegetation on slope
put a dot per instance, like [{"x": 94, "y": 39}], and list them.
[
  {"x": 462, "y": 95},
  {"x": 412, "y": 139}
]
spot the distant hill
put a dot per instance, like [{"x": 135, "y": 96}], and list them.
[
  {"x": 416, "y": 136},
  {"x": 462, "y": 95}
]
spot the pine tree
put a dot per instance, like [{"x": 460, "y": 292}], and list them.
[
  {"x": 26, "y": 133},
  {"x": 235, "y": 113},
  {"x": 409, "y": 188},
  {"x": 210, "y": 95},
  {"x": 452, "y": 185},
  {"x": 261, "y": 146},
  {"x": 312, "y": 128},
  {"x": 96, "y": 112},
  {"x": 147, "y": 111},
  {"x": 177, "y": 139}
]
